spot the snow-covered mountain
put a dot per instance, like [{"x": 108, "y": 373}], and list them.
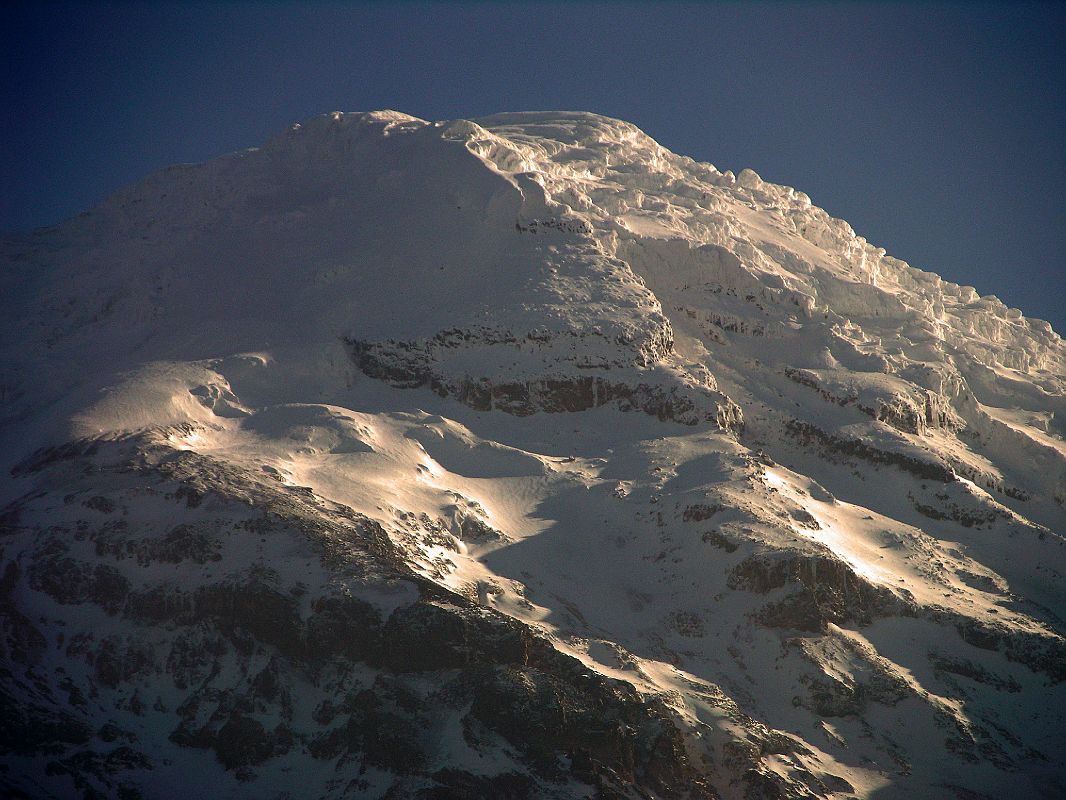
[{"x": 517, "y": 458}]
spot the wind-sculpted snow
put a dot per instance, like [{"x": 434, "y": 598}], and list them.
[{"x": 517, "y": 457}]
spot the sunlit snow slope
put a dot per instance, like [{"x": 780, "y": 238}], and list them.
[{"x": 517, "y": 457}]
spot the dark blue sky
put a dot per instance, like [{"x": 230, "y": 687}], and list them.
[{"x": 938, "y": 131}]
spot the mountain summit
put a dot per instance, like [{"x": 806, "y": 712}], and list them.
[{"x": 517, "y": 457}]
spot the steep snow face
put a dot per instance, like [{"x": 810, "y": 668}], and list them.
[
  {"x": 776, "y": 511},
  {"x": 729, "y": 254},
  {"x": 377, "y": 231}
]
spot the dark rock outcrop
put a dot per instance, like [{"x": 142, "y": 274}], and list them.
[
  {"x": 824, "y": 589},
  {"x": 578, "y": 387},
  {"x": 242, "y": 646}
]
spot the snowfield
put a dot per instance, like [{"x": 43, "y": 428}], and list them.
[{"x": 517, "y": 457}]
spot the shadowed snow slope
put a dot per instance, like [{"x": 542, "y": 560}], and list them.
[{"x": 517, "y": 457}]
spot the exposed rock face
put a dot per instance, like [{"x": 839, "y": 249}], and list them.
[
  {"x": 323, "y": 481},
  {"x": 826, "y": 590},
  {"x": 236, "y": 658},
  {"x": 643, "y": 384},
  {"x": 921, "y": 468},
  {"x": 917, "y": 412}
]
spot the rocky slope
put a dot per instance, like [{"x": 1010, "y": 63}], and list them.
[{"x": 517, "y": 457}]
